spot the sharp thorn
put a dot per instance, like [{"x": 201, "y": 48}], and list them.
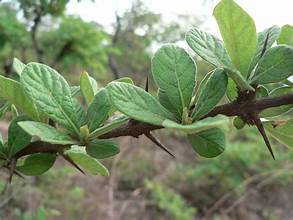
[
  {"x": 147, "y": 84},
  {"x": 18, "y": 174},
  {"x": 262, "y": 131},
  {"x": 69, "y": 160},
  {"x": 158, "y": 143}
]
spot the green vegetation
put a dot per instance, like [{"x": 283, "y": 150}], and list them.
[{"x": 244, "y": 78}]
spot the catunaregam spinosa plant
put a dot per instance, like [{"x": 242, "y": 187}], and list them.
[{"x": 249, "y": 69}]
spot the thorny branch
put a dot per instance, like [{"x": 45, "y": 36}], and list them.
[{"x": 235, "y": 108}]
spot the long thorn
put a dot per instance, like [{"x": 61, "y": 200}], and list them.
[
  {"x": 18, "y": 174},
  {"x": 69, "y": 160},
  {"x": 262, "y": 131},
  {"x": 158, "y": 143},
  {"x": 147, "y": 84}
]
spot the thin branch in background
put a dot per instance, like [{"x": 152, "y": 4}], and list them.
[
  {"x": 34, "y": 30},
  {"x": 115, "y": 38}
]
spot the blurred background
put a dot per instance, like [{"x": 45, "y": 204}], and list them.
[{"x": 115, "y": 38}]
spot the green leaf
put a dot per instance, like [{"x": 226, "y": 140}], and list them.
[
  {"x": 79, "y": 156},
  {"x": 261, "y": 92},
  {"x": 18, "y": 139},
  {"x": 125, "y": 80},
  {"x": 14, "y": 112},
  {"x": 208, "y": 47},
  {"x": 211, "y": 93},
  {"x": 101, "y": 149},
  {"x": 74, "y": 90},
  {"x": 4, "y": 108},
  {"x": 198, "y": 126},
  {"x": 265, "y": 40},
  {"x": 18, "y": 66},
  {"x": 276, "y": 65},
  {"x": 283, "y": 132},
  {"x": 239, "y": 33},
  {"x": 13, "y": 92},
  {"x": 174, "y": 71},
  {"x": 45, "y": 133},
  {"x": 3, "y": 150},
  {"x": 166, "y": 103},
  {"x": 137, "y": 103},
  {"x": 36, "y": 164},
  {"x": 88, "y": 87},
  {"x": 232, "y": 91},
  {"x": 286, "y": 36},
  {"x": 275, "y": 111},
  {"x": 79, "y": 112},
  {"x": 109, "y": 127},
  {"x": 51, "y": 93},
  {"x": 209, "y": 143},
  {"x": 240, "y": 81},
  {"x": 98, "y": 110}
]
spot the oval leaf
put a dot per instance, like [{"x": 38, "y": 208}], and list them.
[
  {"x": 101, "y": 149},
  {"x": 18, "y": 66},
  {"x": 137, "y": 103},
  {"x": 276, "y": 65},
  {"x": 51, "y": 93},
  {"x": 174, "y": 71},
  {"x": 239, "y": 33},
  {"x": 98, "y": 110},
  {"x": 116, "y": 122},
  {"x": 13, "y": 92},
  {"x": 79, "y": 156},
  {"x": 211, "y": 93},
  {"x": 45, "y": 132},
  {"x": 208, "y": 47},
  {"x": 265, "y": 40},
  {"x": 36, "y": 164},
  {"x": 209, "y": 143},
  {"x": 232, "y": 91},
  {"x": 164, "y": 100},
  {"x": 18, "y": 139},
  {"x": 286, "y": 36},
  {"x": 88, "y": 87},
  {"x": 282, "y": 131}
]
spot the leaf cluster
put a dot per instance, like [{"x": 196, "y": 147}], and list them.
[{"x": 53, "y": 123}]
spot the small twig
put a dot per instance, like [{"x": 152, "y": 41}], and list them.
[{"x": 158, "y": 143}]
